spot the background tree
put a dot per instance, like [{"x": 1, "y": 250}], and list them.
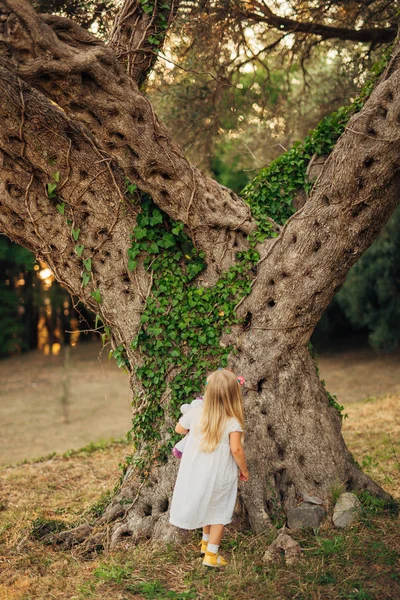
[
  {"x": 17, "y": 316},
  {"x": 206, "y": 279},
  {"x": 237, "y": 69},
  {"x": 370, "y": 298}
]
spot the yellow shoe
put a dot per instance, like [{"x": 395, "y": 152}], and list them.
[
  {"x": 213, "y": 560},
  {"x": 203, "y": 547}
]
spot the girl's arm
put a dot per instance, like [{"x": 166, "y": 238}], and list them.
[
  {"x": 238, "y": 454},
  {"x": 180, "y": 429}
]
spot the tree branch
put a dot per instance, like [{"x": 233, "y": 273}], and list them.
[
  {"x": 353, "y": 197},
  {"x": 139, "y": 32},
  {"x": 263, "y": 14},
  {"x": 82, "y": 76},
  {"x": 40, "y": 145}
]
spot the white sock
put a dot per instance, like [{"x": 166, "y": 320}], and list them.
[
  {"x": 206, "y": 537},
  {"x": 212, "y": 548}
]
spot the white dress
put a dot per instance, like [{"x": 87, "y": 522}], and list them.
[{"x": 206, "y": 486}]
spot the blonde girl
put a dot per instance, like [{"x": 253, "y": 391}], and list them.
[{"x": 206, "y": 486}]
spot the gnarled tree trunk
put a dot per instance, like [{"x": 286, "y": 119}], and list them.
[{"x": 71, "y": 117}]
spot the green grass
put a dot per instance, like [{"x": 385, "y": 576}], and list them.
[{"x": 101, "y": 445}]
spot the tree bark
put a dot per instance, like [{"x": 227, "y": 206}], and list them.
[
  {"x": 83, "y": 77},
  {"x": 69, "y": 108},
  {"x": 138, "y": 35},
  {"x": 263, "y": 14}
]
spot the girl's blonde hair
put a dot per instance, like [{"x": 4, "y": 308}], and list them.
[{"x": 222, "y": 399}]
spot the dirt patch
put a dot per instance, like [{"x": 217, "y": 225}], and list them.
[
  {"x": 360, "y": 373},
  {"x": 38, "y": 391}
]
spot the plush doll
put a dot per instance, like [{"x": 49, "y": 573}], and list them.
[{"x": 178, "y": 449}]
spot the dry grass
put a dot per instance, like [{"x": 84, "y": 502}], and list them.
[
  {"x": 372, "y": 432},
  {"x": 359, "y": 563},
  {"x": 356, "y": 373},
  {"x": 58, "y": 488}
]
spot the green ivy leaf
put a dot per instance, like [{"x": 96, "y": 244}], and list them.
[
  {"x": 167, "y": 241},
  {"x": 130, "y": 187},
  {"x": 79, "y": 250},
  {"x": 88, "y": 264},
  {"x": 85, "y": 278},
  {"x": 153, "y": 40},
  {"x": 50, "y": 190},
  {"x": 177, "y": 229},
  {"x": 56, "y": 176},
  {"x": 97, "y": 296},
  {"x": 75, "y": 234},
  {"x": 142, "y": 220},
  {"x": 154, "y": 330},
  {"x": 153, "y": 248},
  {"x": 140, "y": 233},
  {"x": 156, "y": 218},
  {"x": 132, "y": 264},
  {"x": 61, "y": 208}
]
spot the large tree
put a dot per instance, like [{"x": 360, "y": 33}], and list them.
[{"x": 182, "y": 275}]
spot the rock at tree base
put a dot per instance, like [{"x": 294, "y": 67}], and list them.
[
  {"x": 346, "y": 509},
  {"x": 283, "y": 543},
  {"x": 305, "y": 515},
  {"x": 312, "y": 499}
]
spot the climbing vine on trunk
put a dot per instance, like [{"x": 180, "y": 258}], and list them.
[
  {"x": 185, "y": 275},
  {"x": 183, "y": 321}
]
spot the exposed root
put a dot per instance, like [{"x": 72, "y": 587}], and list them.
[
  {"x": 360, "y": 481},
  {"x": 147, "y": 516}
]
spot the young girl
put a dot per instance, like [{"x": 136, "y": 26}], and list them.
[{"x": 206, "y": 486}]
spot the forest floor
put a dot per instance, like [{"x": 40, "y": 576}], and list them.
[{"x": 361, "y": 562}]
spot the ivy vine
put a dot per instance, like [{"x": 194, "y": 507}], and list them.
[
  {"x": 271, "y": 193},
  {"x": 160, "y": 14},
  {"x": 183, "y": 321},
  {"x": 52, "y": 194},
  {"x": 180, "y": 327}
]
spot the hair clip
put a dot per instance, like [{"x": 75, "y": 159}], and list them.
[{"x": 240, "y": 379}]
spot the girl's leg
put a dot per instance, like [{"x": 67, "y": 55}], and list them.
[
  {"x": 205, "y": 539},
  {"x": 212, "y": 557},
  {"x": 216, "y": 532}
]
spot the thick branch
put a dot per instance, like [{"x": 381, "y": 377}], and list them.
[
  {"x": 84, "y": 77},
  {"x": 263, "y": 14},
  {"x": 354, "y": 196},
  {"x": 39, "y": 145},
  {"x": 138, "y": 35}
]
